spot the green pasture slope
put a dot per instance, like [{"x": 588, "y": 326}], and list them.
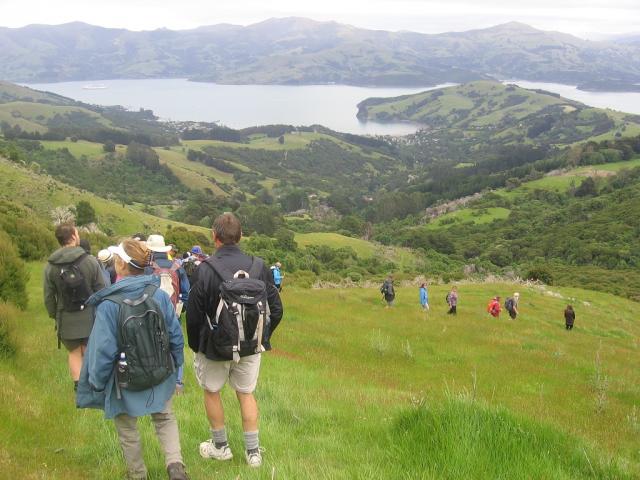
[
  {"x": 42, "y": 193},
  {"x": 356, "y": 391}
]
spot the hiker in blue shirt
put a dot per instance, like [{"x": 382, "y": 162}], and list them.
[
  {"x": 277, "y": 275},
  {"x": 424, "y": 298}
]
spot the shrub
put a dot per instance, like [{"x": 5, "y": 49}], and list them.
[
  {"x": 13, "y": 275},
  {"x": 7, "y": 342},
  {"x": 540, "y": 273}
]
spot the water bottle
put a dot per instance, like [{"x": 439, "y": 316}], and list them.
[{"x": 123, "y": 371}]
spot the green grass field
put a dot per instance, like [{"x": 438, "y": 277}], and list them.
[
  {"x": 477, "y": 216},
  {"x": 356, "y": 391}
]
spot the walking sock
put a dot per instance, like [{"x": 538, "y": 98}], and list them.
[
  {"x": 219, "y": 437},
  {"x": 251, "y": 441}
]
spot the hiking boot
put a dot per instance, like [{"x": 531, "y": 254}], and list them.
[
  {"x": 176, "y": 471},
  {"x": 254, "y": 457},
  {"x": 208, "y": 449}
]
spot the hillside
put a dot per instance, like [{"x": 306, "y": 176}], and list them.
[
  {"x": 302, "y": 51},
  {"x": 497, "y": 113},
  {"x": 465, "y": 397}
]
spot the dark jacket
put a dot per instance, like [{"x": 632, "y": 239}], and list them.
[
  {"x": 163, "y": 261},
  {"x": 569, "y": 316},
  {"x": 205, "y": 291},
  {"x": 71, "y": 325}
]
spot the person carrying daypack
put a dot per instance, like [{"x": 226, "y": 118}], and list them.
[
  {"x": 173, "y": 281},
  {"x": 133, "y": 354},
  {"x": 511, "y": 305},
  {"x": 494, "y": 308},
  {"x": 569, "y": 317},
  {"x": 71, "y": 276},
  {"x": 276, "y": 271},
  {"x": 233, "y": 310},
  {"x": 388, "y": 292},
  {"x": 452, "y": 301}
]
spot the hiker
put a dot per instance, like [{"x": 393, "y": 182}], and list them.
[
  {"x": 86, "y": 246},
  {"x": 388, "y": 292},
  {"x": 173, "y": 280},
  {"x": 222, "y": 352},
  {"x": 70, "y": 278},
  {"x": 105, "y": 259},
  {"x": 452, "y": 301},
  {"x": 569, "y": 317},
  {"x": 494, "y": 308},
  {"x": 116, "y": 378},
  {"x": 191, "y": 263},
  {"x": 424, "y": 298},
  {"x": 277, "y": 275},
  {"x": 511, "y": 305}
]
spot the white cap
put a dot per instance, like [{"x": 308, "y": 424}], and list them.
[{"x": 119, "y": 250}]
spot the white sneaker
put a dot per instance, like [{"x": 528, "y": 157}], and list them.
[
  {"x": 254, "y": 459},
  {"x": 208, "y": 449}
]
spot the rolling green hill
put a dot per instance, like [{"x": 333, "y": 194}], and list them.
[
  {"x": 497, "y": 113},
  {"x": 303, "y": 51}
]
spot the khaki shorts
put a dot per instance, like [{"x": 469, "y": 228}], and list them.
[{"x": 242, "y": 376}]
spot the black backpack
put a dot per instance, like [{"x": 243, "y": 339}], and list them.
[
  {"x": 75, "y": 290},
  {"x": 387, "y": 288},
  {"x": 508, "y": 304},
  {"x": 189, "y": 268},
  {"x": 144, "y": 340},
  {"x": 241, "y": 323}
]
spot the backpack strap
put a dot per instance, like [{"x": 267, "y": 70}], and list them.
[
  {"x": 222, "y": 271},
  {"x": 257, "y": 265}
]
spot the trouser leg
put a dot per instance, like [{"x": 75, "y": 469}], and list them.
[
  {"x": 166, "y": 427},
  {"x": 129, "y": 436}
]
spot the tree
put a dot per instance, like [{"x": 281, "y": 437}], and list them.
[
  {"x": 85, "y": 213},
  {"x": 109, "y": 147},
  {"x": 143, "y": 155},
  {"x": 587, "y": 188}
]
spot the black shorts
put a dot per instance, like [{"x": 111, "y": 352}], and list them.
[{"x": 72, "y": 344}]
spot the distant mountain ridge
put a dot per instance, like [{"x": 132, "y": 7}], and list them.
[{"x": 303, "y": 51}]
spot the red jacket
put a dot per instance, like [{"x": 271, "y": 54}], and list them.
[{"x": 494, "y": 308}]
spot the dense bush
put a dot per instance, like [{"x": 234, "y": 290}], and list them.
[
  {"x": 13, "y": 274},
  {"x": 32, "y": 237},
  {"x": 7, "y": 341}
]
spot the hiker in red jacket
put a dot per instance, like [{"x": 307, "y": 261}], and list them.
[{"x": 494, "y": 307}]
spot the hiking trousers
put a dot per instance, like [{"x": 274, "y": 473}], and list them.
[{"x": 166, "y": 430}]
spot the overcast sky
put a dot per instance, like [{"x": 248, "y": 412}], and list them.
[{"x": 584, "y": 18}]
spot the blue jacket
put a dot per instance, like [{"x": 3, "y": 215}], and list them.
[
  {"x": 96, "y": 388},
  {"x": 277, "y": 275},
  {"x": 424, "y": 299}
]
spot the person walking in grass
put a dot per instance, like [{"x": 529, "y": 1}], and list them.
[
  {"x": 233, "y": 309},
  {"x": 109, "y": 373},
  {"x": 424, "y": 297},
  {"x": 276, "y": 271},
  {"x": 494, "y": 308},
  {"x": 569, "y": 317},
  {"x": 70, "y": 278},
  {"x": 511, "y": 305},
  {"x": 388, "y": 291},
  {"x": 452, "y": 301}
]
